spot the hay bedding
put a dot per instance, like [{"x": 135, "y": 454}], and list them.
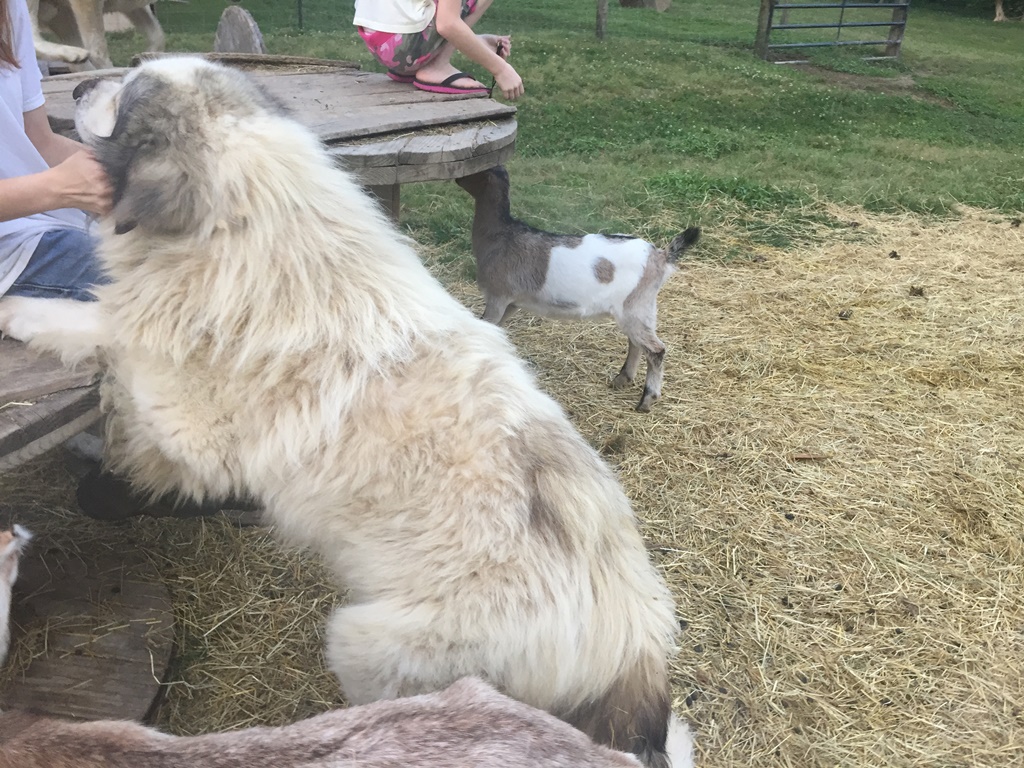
[{"x": 838, "y": 504}]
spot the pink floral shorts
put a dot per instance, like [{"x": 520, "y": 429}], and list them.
[{"x": 404, "y": 53}]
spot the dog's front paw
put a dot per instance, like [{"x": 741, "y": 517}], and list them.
[
  {"x": 15, "y": 323},
  {"x": 69, "y": 328}
]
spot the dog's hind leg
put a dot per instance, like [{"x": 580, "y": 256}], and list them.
[{"x": 383, "y": 651}]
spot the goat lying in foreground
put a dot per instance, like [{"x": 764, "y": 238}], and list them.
[
  {"x": 469, "y": 724},
  {"x": 572, "y": 277}
]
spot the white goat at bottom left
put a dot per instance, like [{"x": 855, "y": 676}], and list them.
[{"x": 12, "y": 543}]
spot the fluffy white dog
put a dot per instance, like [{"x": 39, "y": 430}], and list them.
[{"x": 269, "y": 333}]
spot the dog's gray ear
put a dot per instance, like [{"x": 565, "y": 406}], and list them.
[
  {"x": 166, "y": 203},
  {"x": 151, "y": 174}
]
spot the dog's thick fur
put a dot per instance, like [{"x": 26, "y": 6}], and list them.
[
  {"x": 270, "y": 334},
  {"x": 468, "y": 725}
]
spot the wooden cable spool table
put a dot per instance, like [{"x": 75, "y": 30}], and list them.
[{"x": 386, "y": 133}]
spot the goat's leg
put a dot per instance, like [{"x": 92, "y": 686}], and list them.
[
  {"x": 654, "y": 350},
  {"x": 145, "y": 21},
  {"x": 628, "y": 372},
  {"x": 498, "y": 310}
]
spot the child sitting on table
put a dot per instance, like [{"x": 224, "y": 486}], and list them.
[{"x": 415, "y": 40}]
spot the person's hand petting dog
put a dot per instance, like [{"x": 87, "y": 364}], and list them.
[{"x": 80, "y": 182}]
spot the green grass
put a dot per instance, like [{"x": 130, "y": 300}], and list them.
[{"x": 671, "y": 120}]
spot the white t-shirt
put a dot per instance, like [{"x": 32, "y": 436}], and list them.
[
  {"x": 20, "y": 92},
  {"x": 394, "y": 15}
]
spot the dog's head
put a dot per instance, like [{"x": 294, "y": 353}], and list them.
[{"x": 158, "y": 133}]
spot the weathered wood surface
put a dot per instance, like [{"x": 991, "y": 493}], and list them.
[
  {"x": 25, "y": 375},
  {"x": 385, "y": 132},
  {"x": 97, "y": 633},
  {"x": 41, "y": 402},
  {"x": 338, "y": 106}
]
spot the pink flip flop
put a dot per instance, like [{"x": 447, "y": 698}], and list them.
[
  {"x": 446, "y": 85},
  {"x": 400, "y": 78}
]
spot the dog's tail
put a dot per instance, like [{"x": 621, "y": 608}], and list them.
[
  {"x": 681, "y": 243},
  {"x": 635, "y": 715},
  {"x": 679, "y": 744}
]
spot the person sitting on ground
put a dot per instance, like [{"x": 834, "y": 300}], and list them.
[
  {"x": 47, "y": 182},
  {"x": 415, "y": 40}
]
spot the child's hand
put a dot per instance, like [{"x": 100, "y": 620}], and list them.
[
  {"x": 509, "y": 82},
  {"x": 504, "y": 47}
]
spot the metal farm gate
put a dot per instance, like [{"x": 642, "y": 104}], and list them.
[{"x": 775, "y": 16}]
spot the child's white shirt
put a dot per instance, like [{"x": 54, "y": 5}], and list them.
[{"x": 402, "y": 16}]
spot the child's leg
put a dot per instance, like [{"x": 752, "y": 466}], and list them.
[
  {"x": 439, "y": 67},
  {"x": 424, "y": 54}
]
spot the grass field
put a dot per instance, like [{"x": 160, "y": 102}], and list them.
[
  {"x": 833, "y": 482},
  {"x": 671, "y": 120}
]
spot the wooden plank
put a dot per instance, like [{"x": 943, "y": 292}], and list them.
[
  {"x": 51, "y": 416},
  {"x": 394, "y": 118},
  {"x": 98, "y": 630},
  {"x": 25, "y": 375},
  {"x": 443, "y": 171},
  {"x": 413, "y": 148},
  {"x": 50, "y": 440}
]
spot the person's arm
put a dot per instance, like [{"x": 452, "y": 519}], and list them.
[
  {"x": 54, "y": 148},
  {"x": 452, "y": 28},
  {"x": 74, "y": 180}
]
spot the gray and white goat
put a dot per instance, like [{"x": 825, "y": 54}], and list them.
[
  {"x": 468, "y": 725},
  {"x": 572, "y": 277}
]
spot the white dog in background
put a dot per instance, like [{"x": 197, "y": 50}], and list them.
[
  {"x": 269, "y": 333},
  {"x": 79, "y": 27}
]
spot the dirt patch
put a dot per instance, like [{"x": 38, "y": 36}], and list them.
[{"x": 901, "y": 85}]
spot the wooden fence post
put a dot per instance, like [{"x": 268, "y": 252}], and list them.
[
  {"x": 899, "y": 19},
  {"x": 602, "y": 18},
  {"x": 764, "y": 27}
]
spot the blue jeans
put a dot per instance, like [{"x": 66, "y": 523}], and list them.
[{"x": 63, "y": 266}]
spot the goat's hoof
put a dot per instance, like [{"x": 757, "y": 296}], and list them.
[
  {"x": 621, "y": 381},
  {"x": 649, "y": 399}
]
